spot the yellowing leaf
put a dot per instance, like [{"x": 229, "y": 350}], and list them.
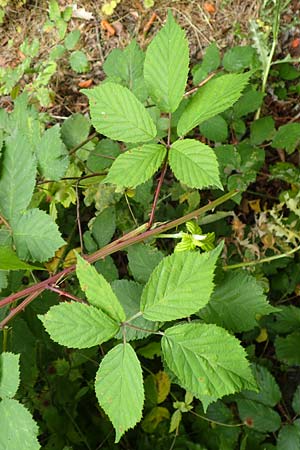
[{"x": 163, "y": 385}]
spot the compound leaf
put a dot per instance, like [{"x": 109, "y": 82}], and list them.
[
  {"x": 9, "y": 374},
  {"x": 166, "y": 66},
  {"x": 17, "y": 180},
  {"x": 213, "y": 98},
  {"x": 207, "y": 360},
  {"x": 52, "y": 154},
  {"x": 119, "y": 115},
  {"x": 36, "y": 236},
  {"x": 136, "y": 166},
  {"x": 194, "y": 164},
  {"x": 236, "y": 303},
  {"x": 77, "y": 325},
  {"x": 18, "y": 429},
  {"x": 119, "y": 388},
  {"x": 179, "y": 286},
  {"x": 98, "y": 291}
]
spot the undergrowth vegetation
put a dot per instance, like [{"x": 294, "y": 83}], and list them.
[{"x": 149, "y": 250}]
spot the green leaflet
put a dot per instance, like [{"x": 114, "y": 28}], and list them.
[
  {"x": 142, "y": 259},
  {"x": 52, "y": 154},
  {"x": 77, "y": 325},
  {"x": 119, "y": 115},
  {"x": 98, "y": 291},
  {"x": 75, "y": 129},
  {"x": 166, "y": 66},
  {"x": 213, "y": 98},
  {"x": 119, "y": 388},
  {"x": 288, "y": 348},
  {"x": 104, "y": 226},
  {"x": 207, "y": 360},
  {"x": 268, "y": 390},
  {"x": 236, "y": 303},
  {"x": 17, "y": 179},
  {"x": 179, "y": 286},
  {"x": 289, "y": 437},
  {"x": 18, "y": 429},
  {"x": 261, "y": 417},
  {"x": 9, "y": 375},
  {"x": 287, "y": 137},
  {"x": 10, "y": 261},
  {"x": 194, "y": 164},
  {"x": 129, "y": 295},
  {"x": 136, "y": 166},
  {"x": 36, "y": 236}
]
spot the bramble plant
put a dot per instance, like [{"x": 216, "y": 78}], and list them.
[{"x": 183, "y": 308}]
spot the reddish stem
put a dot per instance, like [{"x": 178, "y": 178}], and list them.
[{"x": 157, "y": 192}]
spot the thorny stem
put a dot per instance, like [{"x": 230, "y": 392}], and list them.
[
  {"x": 130, "y": 238},
  {"x": 65, "y": 294}
]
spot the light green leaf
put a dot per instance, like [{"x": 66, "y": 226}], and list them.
[
  {"x": 288, "y": 348},
  {"x": 129, "y": 295},
  {"x": 52, "y": 154},
  {"x": 10, "y": 261},
  {"x": 142, "y": 259},
  {"x": 9, "y": 374},
  {"x": 213, "y": 98},
  {"x": 166, "y": 66},
  {"x": 3, "y": 280},
  {"x": 77, "y": 325},
  {"x": 119, "y": 388},
  {"x": 287, "y": 137},
  {"x": 207, "y": 360},
  {"x": 194, "y": 164},
  {"x": 260, "y": 417},
  {"x": 36, "y": 236},
  {"x": 79, "y": 62},
  {"x": 98, "y": 291},
  {"x": 17, "y": 179},
  {"x": 71, "y": 39},
  {"x": 136, "y": 166},
  {"x": 289, "y": 437},
  {"x": 18, "y": 429},
  {"x": 237, "y": 303},
  {"x": 179, "y": 286},
  {"x": 117, "y": 114},
  {"x": 238, "y": 58}
]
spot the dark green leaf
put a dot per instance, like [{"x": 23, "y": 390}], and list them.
[
  {"x": 142, "y": 261},
  {"x": 288, "y": 348},
  {"x": 238, "y": 58}
]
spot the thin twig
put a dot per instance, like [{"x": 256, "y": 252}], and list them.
[
  {"x": 88, "y": 139},
  {"x": 13, "y": 312},
  {"x": 195, "y": 89},
  {"x": 4, "y": 221}
]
